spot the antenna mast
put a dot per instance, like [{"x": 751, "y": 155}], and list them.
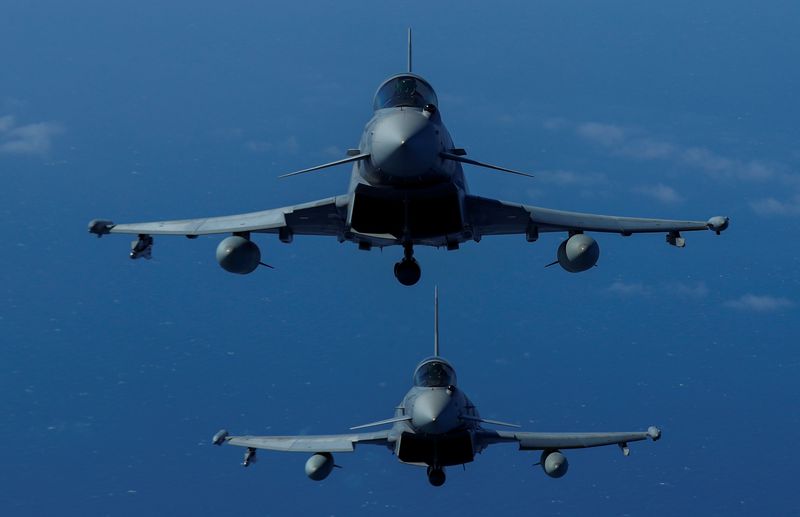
[
  {"x": 409, "y": 50},
  {"x": 436, "y": 321}
]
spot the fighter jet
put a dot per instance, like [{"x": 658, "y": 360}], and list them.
[
  {"x": 435, "y": 426},
  {"x": 407, "y": 188}
]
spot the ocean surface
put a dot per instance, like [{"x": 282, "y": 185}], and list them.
[{"x": 115, "y": 373}]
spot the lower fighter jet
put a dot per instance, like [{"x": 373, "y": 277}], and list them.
[{"x": 435, "y": 426}]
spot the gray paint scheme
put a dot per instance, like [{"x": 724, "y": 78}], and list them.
[
  {"x": 407, "y": 187},
  {"x": 436, "y": 425}
]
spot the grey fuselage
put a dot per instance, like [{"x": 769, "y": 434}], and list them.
[
  {"x": 443, "y": 421},
  {"x": 405, "y": 192}
]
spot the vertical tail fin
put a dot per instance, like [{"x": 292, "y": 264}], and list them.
[
  {"x": 409, "y": 50},
  {"x": 436, "y": 321}
]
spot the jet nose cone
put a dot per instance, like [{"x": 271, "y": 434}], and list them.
[
  {"x": 404, "y": 144},
  {"x": 431, "y": 411}
]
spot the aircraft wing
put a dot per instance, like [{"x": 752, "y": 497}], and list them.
[
  {"x": 494, "y": 217},
  {"x": 323, "y": 217},
  {"x": 545, "y": 441},
  {"x": 310, "y": 443}
]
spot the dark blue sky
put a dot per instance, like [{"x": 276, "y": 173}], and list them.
[{"x": 116, "y": 373}]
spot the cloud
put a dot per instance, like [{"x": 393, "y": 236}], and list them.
[
  {"x": 625, "y": 141},
  {"x": 28, "y": 139},
  {"x": 555, "y": 123},
  {"x": 333, "y": 151},
  {"x": 659, "y": 192},
  {"x": 678, "y": 289},
  {"x": 720, "y": 166},
  {"x": 569, "y": 178},
  {"x": 6, "y": 123},
  {"x": 759, "y": 303},
  {"x": 628, "y": 289},
  {"x": 258, "y": 146},
  {"x": 631, "y": 143},
  {"x": 771, "y": 206},
  {"x": 534, "y": 193},
  {"x": 604, "y": 134},
  {"x": 647, "y": 149}
]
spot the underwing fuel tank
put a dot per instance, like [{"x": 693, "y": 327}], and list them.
[
  {"x": 238, "y": 255},
  {"x": 578, "y": 253},
  {"x": 319, "y": 466},
  {"x": 554, "y": 463}
]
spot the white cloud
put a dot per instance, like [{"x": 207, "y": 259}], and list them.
[
  {"x": 720, "y": 166},
  {"x": 333, "y": 151},
  {"x": 771, "y": 206},
  {"x": 678, "y": 289},
  {"x": 6, "y": 123},
  {"x": 759, "y": 303},
  {"x": 28, "y": 139},
  {"x": 647, "y": 149},
  {"x": 659, "y": 192},
  {"x": 555, "y": 123},
  {"x": 569, "y": 178},
  {"x": 628, "y": 289},
  {"x": 629, "y": 142},
  {"x": 604, "y": 134},
  {"x": 534, "y": 193},
  {"x": 258, "y": 146}
]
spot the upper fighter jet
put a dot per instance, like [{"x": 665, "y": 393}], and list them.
[
  {"x": 435, "y": 426},
  {"x": 407, "y": 188}
]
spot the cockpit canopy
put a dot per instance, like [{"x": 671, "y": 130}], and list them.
[
  {"x": 404, "y": 90},
  {"x": 434, "y": 373}
]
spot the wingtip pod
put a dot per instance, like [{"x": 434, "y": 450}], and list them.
[
  {"x": 100, "y": 227},
  {"x": 718, "y": 224},
  {"x": 654, "y": 433},
  {"x": 219, "y": 437}
]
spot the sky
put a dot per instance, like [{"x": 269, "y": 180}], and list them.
[{"x": 116, "y": 373}]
